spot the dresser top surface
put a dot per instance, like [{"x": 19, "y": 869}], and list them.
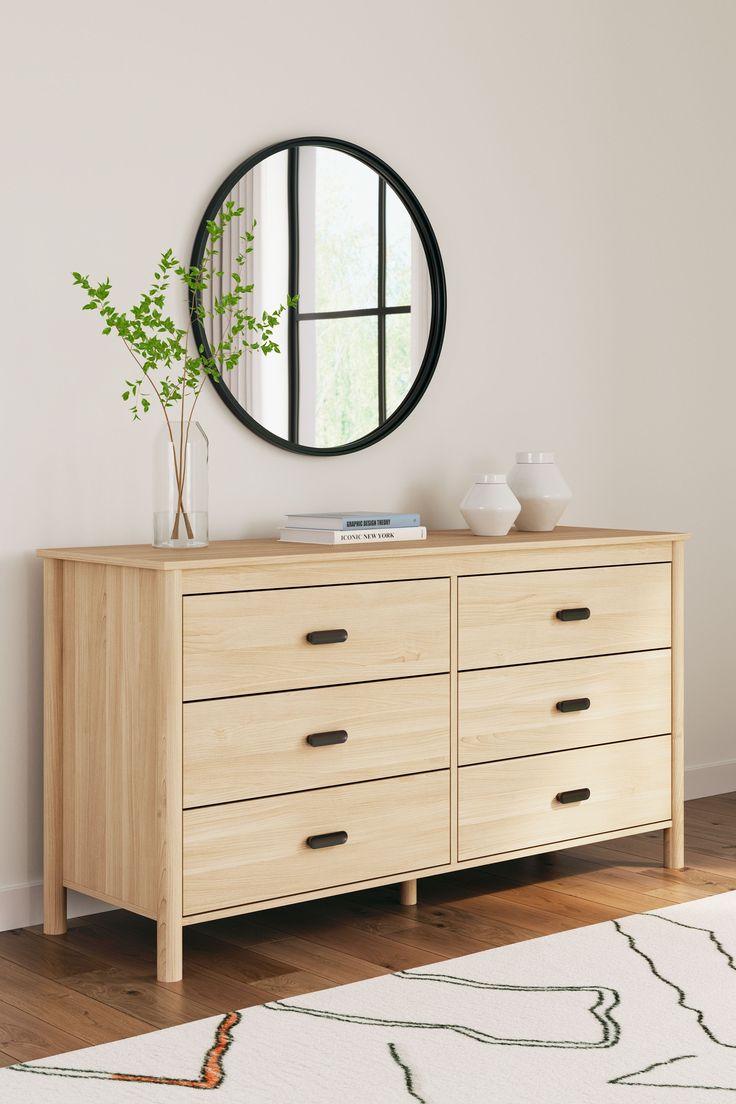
[{"x": 247, "y": 553}]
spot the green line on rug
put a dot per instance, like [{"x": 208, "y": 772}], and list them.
[
  {"x": 408, "y": 1075},
  {"x": 681, "y": 995},
  {"x": 626, "y": 1078},
  {"x": 605, "y": 1001}
]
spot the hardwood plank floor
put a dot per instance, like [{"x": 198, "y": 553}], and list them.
[{"x": 98, "y": 982}]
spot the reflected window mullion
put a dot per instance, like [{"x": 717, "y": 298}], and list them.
[
  {"x": 293, "y": 317},
  {"x": 381, "y": 300}
]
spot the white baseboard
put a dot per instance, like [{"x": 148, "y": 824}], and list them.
[
  {"x": 22, "y": 905},
  {"x": 710, "y": 779}
]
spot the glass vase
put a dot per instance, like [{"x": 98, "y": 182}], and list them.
[{"x": 180, "y": 486}]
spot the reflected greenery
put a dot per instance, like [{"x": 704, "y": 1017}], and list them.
[{"x": 347, "y": 381}]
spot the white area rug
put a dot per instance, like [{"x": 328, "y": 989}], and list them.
[{"x": 635, "y": 1010}]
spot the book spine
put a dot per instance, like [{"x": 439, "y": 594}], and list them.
[
  {"x": 349, "y": 524},
  {"x": 393, "y": 521},
  {"x": 375, "y": 536}
]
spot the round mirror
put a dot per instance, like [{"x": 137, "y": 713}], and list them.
[{"x": 339, "y": 234}]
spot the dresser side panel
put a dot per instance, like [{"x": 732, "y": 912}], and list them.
[{"x": 111, "y": 729}]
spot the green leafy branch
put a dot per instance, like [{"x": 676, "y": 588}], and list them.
[{"x": 168, "y": 371}]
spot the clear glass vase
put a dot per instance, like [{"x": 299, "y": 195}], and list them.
[{"x": 180, "y": 487}]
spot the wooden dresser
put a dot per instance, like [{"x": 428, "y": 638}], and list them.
[{"x": 255, "y": 723}]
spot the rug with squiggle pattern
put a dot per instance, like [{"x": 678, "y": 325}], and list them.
[{"x": 636, "y": 1010}]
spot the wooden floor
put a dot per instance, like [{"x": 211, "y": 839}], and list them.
[{"x": 98, "y": 982}]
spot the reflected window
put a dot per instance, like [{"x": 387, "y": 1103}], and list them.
[
  {"x": 332, "y": 231},
  {"x": 353, "y": 276}
]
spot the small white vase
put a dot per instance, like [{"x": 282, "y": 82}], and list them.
[
  {"x": 539, "y": 486},
  {"x": 490, "y": 506}
]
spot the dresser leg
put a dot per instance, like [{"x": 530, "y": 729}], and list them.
[
  {"x": 54, "y": 907},
  {"x": 169, "y": 951},
  {"x": 409, "y": 892},
  {"x": 674, "y": 837},
  {"x": 674, "y": 846},
  {"x": 170, "y": 909},
  {"x": 54, "y": 894}
]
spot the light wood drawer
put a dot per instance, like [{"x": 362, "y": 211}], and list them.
[
  {"x": 257, "y": 640},
  {"x": 512, "y": 711},
  {"x": 257, "y": 850},
  {"x": 504, "y": 619},
  {"x": 238, "y": 748},
  {"x": 512, "y": 805}
]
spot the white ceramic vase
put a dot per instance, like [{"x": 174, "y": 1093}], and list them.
[
  {"x": 539, "y": 486},
  {"x": 490, "y": 507}
]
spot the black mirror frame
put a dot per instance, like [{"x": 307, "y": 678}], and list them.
[{"x": 436, "y": 277}]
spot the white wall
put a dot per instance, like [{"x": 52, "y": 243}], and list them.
[{"x": 578, "y": 161}]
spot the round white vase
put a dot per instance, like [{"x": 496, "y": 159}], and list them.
[
  {"x": 539, "y": 486},
  {"x": 490, "y": 506}
]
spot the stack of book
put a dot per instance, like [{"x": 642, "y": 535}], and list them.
[{"x": 352, "y": 528}]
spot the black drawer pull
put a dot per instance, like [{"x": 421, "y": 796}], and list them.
[
  {"x": 581, "y": 614},
  {"x": 327, "y": 839},
  {"x": 567, "y": 797},
  {"x": 324, "y": 739},
  {"x": 328, "y": 636},
  {"x": 573, "y": 705}
]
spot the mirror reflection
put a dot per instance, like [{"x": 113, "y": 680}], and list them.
[{"x": 333, "y": 231}]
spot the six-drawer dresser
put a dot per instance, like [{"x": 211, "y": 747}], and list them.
[{"x": 255, "y": 723}]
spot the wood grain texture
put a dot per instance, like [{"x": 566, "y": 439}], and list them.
[
  {"x": 54, "y": 893},
  {"x": 226, "y": 554},
  {"x": 252, "y": 850},
  {"x": 112, "y": 699},
  {"x": 237, "y": 748},
  {"x": 257, "y": 641},
  {"x": 507, "y": 712},
  {"x": 24, "y": 1037},
  {"x": 167, "y": 691},
  {"x": 349, "y": 937},
  {"x": 51, "y": 1002},
  {"x": 125, "y": 626},
  {"x": 48, "y": 958},
  {"x": 510, "y": 805},
  {"x": 471, "y": 557},
  {"x": 140, "y": 999},
  {"x": 453, "y": 718},
  {"x": 512, "y": 618},
  {"x": 408, "y": 893},
  {"x": 444, "y": 868},
  {"x": 674, "y": 840}
]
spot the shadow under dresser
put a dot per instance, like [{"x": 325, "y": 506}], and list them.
[{"x": 255, "y": 723}]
